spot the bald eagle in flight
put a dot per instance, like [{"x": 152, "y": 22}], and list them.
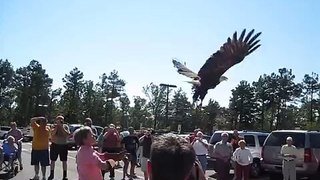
[{"x": 211, "y": 73}]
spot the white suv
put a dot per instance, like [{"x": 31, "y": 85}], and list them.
[{"x": 254, "y": 142}]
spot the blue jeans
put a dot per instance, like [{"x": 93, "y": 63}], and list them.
[{"x": 203, "y": 161}]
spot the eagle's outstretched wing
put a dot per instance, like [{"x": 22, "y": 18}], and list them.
[
  {"x": 182, "y": 69},
  {"x": 232, "y": 52}
]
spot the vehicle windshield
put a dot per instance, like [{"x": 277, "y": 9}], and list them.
[{"x": 279, "y": 139}]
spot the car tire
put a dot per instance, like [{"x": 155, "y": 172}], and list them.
[{"x": 255, "y": 169}]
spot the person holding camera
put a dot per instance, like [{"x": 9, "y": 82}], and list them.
[
  {"x": 200, "y": 146},
  {"x": 145, "y": 142},
  {"x": 59, "y": 135}
]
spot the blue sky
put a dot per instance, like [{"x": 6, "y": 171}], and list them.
[{"x": 139, "y": 38}]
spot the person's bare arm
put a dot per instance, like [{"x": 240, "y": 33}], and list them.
[
  {"x": 54, "y": 130},
  {"x": 34, "y": 120},
  {"x": 141, "y": 138},
  {"x": 65, "y": 130}
]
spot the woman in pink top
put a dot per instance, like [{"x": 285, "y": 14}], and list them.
[{"x": 90, "y": 162}]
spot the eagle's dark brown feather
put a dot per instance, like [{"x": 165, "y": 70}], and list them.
[{"x": 232, "y": 52}]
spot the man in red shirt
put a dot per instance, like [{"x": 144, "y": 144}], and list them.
[{"x": 111, "y": 144}]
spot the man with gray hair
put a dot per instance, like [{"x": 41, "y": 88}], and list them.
[
  {"x": 289, "y": 154},
  {"x": 223, "y": 152}
]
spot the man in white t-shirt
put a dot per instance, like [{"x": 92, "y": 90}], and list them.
[
  {"x": 289, "y": 154},
  {"x": 200, "y": 147}
]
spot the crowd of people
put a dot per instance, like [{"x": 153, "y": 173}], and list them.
[{"x": 167, "y": 156}]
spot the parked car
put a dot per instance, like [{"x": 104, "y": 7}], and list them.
[
  {"x": 3, "y": 131},
  {"x": 308, "y": 159},
  {"x": 254, "y": 141},
  {"x": 99, "y": 129}
]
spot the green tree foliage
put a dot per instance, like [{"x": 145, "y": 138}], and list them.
[
  {"x": 124, "y": 110},
  {"x": 113, "y": 87},
  {"x": 156, "y": 103},
  {"x": 273, "y": 101},
  {"x": 311, "y": 88},
  {"x": 139, "y": 113},
  {"x": 243, "y": 106},
  {"x": 181, "y": 111},
  {"x": 72, "y": 95},
  {"x": 32, "y": 88},
  {"x": 6, "y": 93}
]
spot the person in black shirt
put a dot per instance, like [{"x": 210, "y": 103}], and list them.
[
  {"x": 130, "y": 144},
  {"x": 145, "y": 142}
]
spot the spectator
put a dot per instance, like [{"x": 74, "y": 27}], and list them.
[
  {"x": 223, "y": 152},
  {"x": 130, "y": 144},
  {"x": 18, "y": 136},
  {"x": 40, "y": 146},
  {"x": 200, "y": 147},
  {"x": 193, "y": 135},
  {"x": 235, "y": 140},
  {"x": 90, "y": 162},
  {"x": 59, "y": 147},
  {"x": 289, "y": 154},
  {"x": 111, "y": 144},
  {"x": 88, "y": 122},
  {"x": 173, "y": 158},
  {"x": 243, "y": 158},
  {"x": 124, "y": 133},
  {"x": 101, "y": 139},
  {"x": 145, "y": 142},
  {"x": 235, "y": 144},
  {"x": 9, "y": 150},
  {"x": 139, "y": 151},
  {"x": 119, "y": 129}
]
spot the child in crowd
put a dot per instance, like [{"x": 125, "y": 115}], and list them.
[{"x": 90, "y": 162}]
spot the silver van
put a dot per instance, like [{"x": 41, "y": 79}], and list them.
[{"x": 308, "y": 160}]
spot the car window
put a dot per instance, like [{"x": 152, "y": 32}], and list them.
[
  {"x": 73, "y": 128},
  {"x": 249, "y": 140},
  {"x": 216, "y": 137},
  {"x": 262, "y": 139},
  {"x": 315, "y": 140},
  {"x": 279, "y": 139}
]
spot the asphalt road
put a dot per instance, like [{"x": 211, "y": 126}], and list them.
[{"x": 28, "y": 172}]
